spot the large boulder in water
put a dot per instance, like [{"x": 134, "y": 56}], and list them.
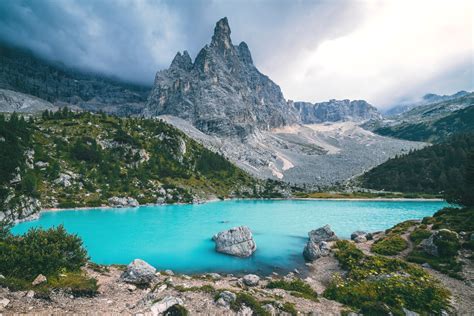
[
  {"x": 138, "y": 272},
  {"x": 324, "y": 233},
  {"x": 237, "y": 241}
]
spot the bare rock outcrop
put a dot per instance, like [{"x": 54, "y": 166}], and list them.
[{"x": 237, "y": 241}]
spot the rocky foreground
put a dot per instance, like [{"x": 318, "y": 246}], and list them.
[{"x": 139, "y": 289}]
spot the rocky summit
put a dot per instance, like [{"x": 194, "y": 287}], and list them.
[
  {"x": 336, "y": 111},
  {"x": 221, "y": 92}
]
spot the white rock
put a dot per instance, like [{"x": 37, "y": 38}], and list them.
[
  {"x": 39, "y": 280},
  {"x": 138, "y": 272},
  {"x": 251, "y": 279},
  {"x": 237, "y": 241},
  {"x": 163, "y": 305}
]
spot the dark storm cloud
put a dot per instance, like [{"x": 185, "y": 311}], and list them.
[{"x": 132, "y": 39}]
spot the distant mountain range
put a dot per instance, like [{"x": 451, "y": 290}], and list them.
[
  {"x": 427, "y": 99},
  {"x": 432, "y": 122}
]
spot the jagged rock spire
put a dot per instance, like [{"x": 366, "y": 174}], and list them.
[
  {"x": 221, "y": 38},
  {"x": 182, "y": 61},
  {"x": 244, "y": 53}
]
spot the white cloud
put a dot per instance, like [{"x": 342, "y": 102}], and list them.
[{"x": 398, "y": 49}]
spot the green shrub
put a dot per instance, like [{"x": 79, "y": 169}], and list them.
[
  {"x": 447, "y": 265},
  {"x": 418, "y": 235},
  {"x": 448, "y": 243},
  {"x": 243, "y": 298},
  {"x": 457, "y": 219},
  {"x": 296, "y": 287},
  {"x": 374, "y": 284},
  {"x": 75, "y": 283},
  {"x": 289, "y": 308},
  {"x": 176, "y": 310},
  {"x": 41, "y": 252},
  {"x": 389, "y": 245}
]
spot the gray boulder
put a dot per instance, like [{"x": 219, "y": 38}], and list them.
[
  {"x": 315, "y": 250},
  {"x": 360, "y": 236},
  {"x": 226, "y": 298},
  {"x": 430, "y": 246},
  {"x": 322, "y": 234},
  {"x": 123, "y": 202},
  {"x": 138, "y": 272},
  {"x": 251, "y": 279},
  {"x": 237, "y": 241}
]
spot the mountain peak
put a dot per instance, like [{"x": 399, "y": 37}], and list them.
[
  {"x": 182, "y": 61},
  {"x": 221, "y": 37}
]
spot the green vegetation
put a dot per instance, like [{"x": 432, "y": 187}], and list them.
[
  {"x": 176, "y": 310},
  {"x": 435, "y": 169},
  {"x": 392, "y": 243},
  {"x": 83, "y": 159},
  {"x": 296, "y": 287},
  {"x": 389, "y": 246},
  {"x": 458, "y": 122},
  {"x": 448, "y": 243},
  {"x": 53, "y": 253},
  {"x": 419, "y": 234},
  {"x": 364, "y": 195},
  {"x": 377, "y": 285},
  {"x": 244, "y": 298}
]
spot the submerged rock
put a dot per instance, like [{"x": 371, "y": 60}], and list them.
[
  {"x": 314, "y": 250},
  {"x": 324, "y": 233},
  {"x": 138, "y": 272},
  {"x": 123, "y": 202},
  {"x": 237, "y": 241}
]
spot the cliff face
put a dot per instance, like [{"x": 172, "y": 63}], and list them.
[
  {"x": 33, "y": 77},
  {"x": 221, "y": 92},
  {"x": 336, "y": 111}
]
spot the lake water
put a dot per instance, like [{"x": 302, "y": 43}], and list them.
[{"x": 178, "y": 237}]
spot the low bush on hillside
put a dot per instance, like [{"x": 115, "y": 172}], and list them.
[
  {"x": 389, "y": 245},
  {"x": 419, "y": 234},
  {"x": 296, "y": 287},
  {"x": 376, "y": 285}
]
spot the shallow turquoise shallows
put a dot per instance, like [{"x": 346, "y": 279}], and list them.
[{"x": 178, "y": 237}]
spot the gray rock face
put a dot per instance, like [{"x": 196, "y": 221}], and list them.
[
  {"x": 360, "y": 236},
  {"x": 251, "y": 279},
  {"x": 315, "y": 250},
  {"x": 12, "y": 101},
  {"x": 324, "y": 233},
  {"x": 222, "y": 92},
  {"x": 237, "y": 241},
  {"x": 317, "y": 244},
  {"x": 226, "y": 298},
  {"x": 138, "y": 272},
  {"x": 123, "y": 202},
  {"x": 336, "y": 111}
]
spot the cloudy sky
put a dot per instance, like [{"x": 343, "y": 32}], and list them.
[{"x": 385, "y": 51}]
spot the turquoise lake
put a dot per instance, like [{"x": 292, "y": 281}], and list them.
[{"x": 178, "y": 237}]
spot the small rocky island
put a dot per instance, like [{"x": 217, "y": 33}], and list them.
[{"x": 237, "y": 241}]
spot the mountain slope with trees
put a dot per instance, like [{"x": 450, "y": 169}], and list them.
[
  {"x": 435, "y": 169},
  {"x": 66, "y": 159}
]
